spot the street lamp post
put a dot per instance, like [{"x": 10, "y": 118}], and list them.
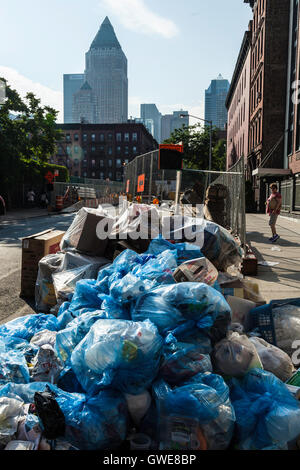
[{"x": 210, "y": 137}]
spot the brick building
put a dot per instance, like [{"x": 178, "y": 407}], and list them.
[
  {"x": 237, "y": 104},
  {"x": 268, "y": 83},
  {"x": 290, "y": 187},
  {"x": 100, "y": 150}
]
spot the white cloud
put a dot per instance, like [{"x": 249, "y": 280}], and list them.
[
  {"x": 136, "y": 16},
  {"x": 24, "y": 85}
]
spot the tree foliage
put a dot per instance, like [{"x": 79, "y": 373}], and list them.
[
  {"x": 196, "y": 142},
  {"x": 28, "y": 137}
]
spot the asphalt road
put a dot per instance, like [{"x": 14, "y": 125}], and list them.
[{"x": 11, "y": 305}]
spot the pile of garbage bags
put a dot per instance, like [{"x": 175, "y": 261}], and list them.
[{"x": 145, "y": 351}]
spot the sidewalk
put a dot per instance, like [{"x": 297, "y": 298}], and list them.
[
  {"x": 283, "y": 280},
  {"x": 22, "y": 214}
]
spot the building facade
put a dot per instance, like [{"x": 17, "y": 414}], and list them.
[
  {"x": 215, "y": 97},
  {"x": 106, "y": 75},
  {"x": 290, "y": 186},
  {"x": 268, "y": 83},
  {"x": 151, "y": 117},
  {"x": 238, "y": 105},
  {"x": 100, "y": 150},
  {"x": 72, "y": 84},
  {"x": 171, "y": 122}
]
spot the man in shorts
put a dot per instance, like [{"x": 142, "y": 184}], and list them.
[{"x": 273, "y": 209}]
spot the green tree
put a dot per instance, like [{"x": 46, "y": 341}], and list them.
[
  {"x": 196, "y": 141},
  {"x": 30, "y": 136}
]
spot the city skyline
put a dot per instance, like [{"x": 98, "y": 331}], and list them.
[{"x": 152, "y": 34}]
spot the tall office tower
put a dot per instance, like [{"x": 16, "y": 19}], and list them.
[
  {"x": 149, "y": 112},
  {"x": 171, "y": 122},
  {"x": 72, "y": 83},
  {"x": 215, "y": 98},
  {"x": 106, "y": 73},
  {"x": 85, "y": 105}
]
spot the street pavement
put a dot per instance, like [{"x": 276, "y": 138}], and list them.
[
  {"x": 12, "y": 229},
  {"x": 281, "y": 281}
]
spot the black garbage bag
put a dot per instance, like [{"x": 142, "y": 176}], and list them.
[{"x": 50, "y": 414}]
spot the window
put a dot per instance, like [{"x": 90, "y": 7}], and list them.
[
  {"x": 93, "y": 148},
  {"x": 93, "y": 162},
  {"x": 101, "y": 148},
  {"x": 110, "y": 175},
  {"x": 134, "y": 149},
  {"x": 85, "y": 174},
  {"x": 126, "y": 137},
  {"x": 119, "y": 137},
  {"x": 118, "y": 150},
  {"x": 68, "y": 138},
  {"x": 118, "y": 176},
  {"x": 76, "y": 162},
  {"x": 85, "y": 152},
  {"x": 101, "y": 175},
  {"x": 110, "y": 163},
  {"x": 76, "y": 149},
  {"x": 101, "y": 137},
  {"x": 101, "y": 163},
  {"x": 126, "y": 151},
  {"x": 110, "y": 137},
  {"x": 93, "y": 174},
  {"x": 110, "y": 151},
  {"x": 84, "y": 137},
  {"x": 134, "y": 137},
  {"x": 118, "y": 163},
  {"x": 76, "y": 137},
  {"x": 84, "y": 163},
  {"x": 68, "y": 150},
  {"x": 93, "y": 137},
  {"x": 126, "y": 161}
]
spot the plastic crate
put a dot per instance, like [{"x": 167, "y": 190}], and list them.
[{"x": 262, "y": 318}]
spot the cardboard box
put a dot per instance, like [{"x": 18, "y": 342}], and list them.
[{"x": 34, "y": 248}]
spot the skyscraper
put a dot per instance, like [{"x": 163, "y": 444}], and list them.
[
  {"x": 215, "y": 97},
  {"x": 171, "y": 122},
  {"x": 149, "y": 112},
  {"x": 105, "y": 82},
  {"x": 72, "y": 83}
]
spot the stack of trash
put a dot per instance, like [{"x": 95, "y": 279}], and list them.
[{"x": 155, "y": 349}]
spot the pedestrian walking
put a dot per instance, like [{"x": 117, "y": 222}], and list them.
[
  {"x": 30, "y": 197},
  {"x": 44, "y": 200},
  {"x": 273, "y": 210}
]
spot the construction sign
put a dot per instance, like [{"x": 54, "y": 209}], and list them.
[
  {"x": 170, "y": 157},
  {"x": 127, "y": 186},
  {"x": 141, "y": 184}
]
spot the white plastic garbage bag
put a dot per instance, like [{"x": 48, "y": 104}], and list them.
[{"x": 11, "y": 411}]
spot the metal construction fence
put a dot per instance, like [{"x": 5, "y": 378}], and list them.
[
  {"x": 142, "y": 177},
  {"x": 156, "y": 182},
  {"x": 93, "y": 192}
]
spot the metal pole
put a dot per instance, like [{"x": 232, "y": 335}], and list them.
[
  {"x": 210, "y": 153},
  {"x": 150, "y": 179},
  {"x": 243, "y": 228}
]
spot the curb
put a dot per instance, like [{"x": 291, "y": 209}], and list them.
[{"x": 50, "y": 214}]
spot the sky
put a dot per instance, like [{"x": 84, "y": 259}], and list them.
[{"x": 174, "y": 47}]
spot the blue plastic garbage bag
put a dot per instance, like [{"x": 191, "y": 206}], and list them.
[
  {"x": 68, "y": 338},
  {"x": 126, "y": 260},
  {"x": 105, "y": 272},
  {"x": 189, "y": 333},
  {"x": 159, "y": 268},
  {"x": 184, "y": 251},
  {"x": 169, "y": 306},
  {"x": 26, "y": 327},
  {"x": 68, "y": 381},
  {"x": 128, "y": 288},
  {"x": 92, "y": 423},
  {"x": 266, "y": 412},
  {"x": 13, "y": 368},
  {"x": 120, "y": 354},
  {"x": 115, "y": 310},
  {"x": 12, "y": 343},
  {"x": 196, "y": 416},
  {"x": 86, "y": 295},
  {"x": 24, "y": 391},
  {"x": 182, "y": 361}
]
